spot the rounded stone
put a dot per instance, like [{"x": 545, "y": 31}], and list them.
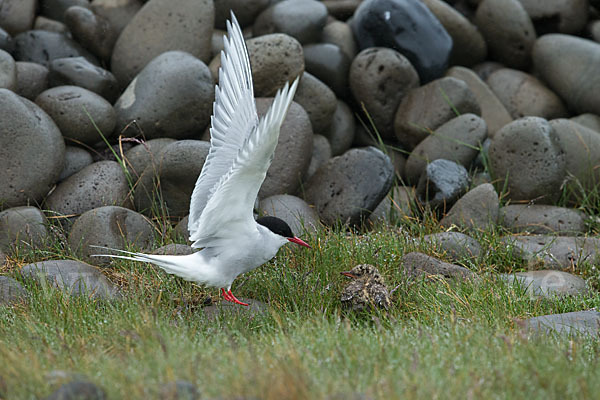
[
  {"x": 543, "y": 219},
  {"x": 147, "y": 153},
  {"x": 245, "y": 11},
  {"x": 293, "y": 210},
  {"x": 55, "y": 9},
  {"x": 292, "y": 154},
  {"x": 457, "y": 140},
  {"x": 23, "y": 228},
  {"x": 330, "y": 64},
  {"x": 456, "y": 246},
  {"x": 589, "y": 120},
  {"x": 321, "y": 153},
  {"x": 80, "y": 114},
  {"x": 476, "y": 210},
  {"x": 549, "y": 283},
  {"x": 17, "y": 16},
  {"x": 161, "y": 26},
  {"x": 76, "y": 159},
  {"x": 11, "y": 291},
  {"x": 42, "y": 23},
  {"x": 396, "y": 206},
  {"x": 118, "y": 13},
  {"x": 110, "y": 226},
  {"x": 301, "y": 19},
  {"x": 348, "y": 187},
  {"x": 8, "y": 71},
  {"x": 32, "y": 79},
  {"x": 340, "y": 34},
  {"x": 275, "y": 60},
  {"x": 32, "y": 151},
  {"x": 92, "y": 31},
  {"x": 469, "y": 46},
  {"x": 99, "y": 184},
  {"x": 78, "y": 71},
  {"x": 508, "y": 31},
  {"x": 6, "y": 41},
  {"x": 44, "y": 46},
  {"x": 175, "y": 173},
  {"x": 174, "y": 249},
  {"x": 379, "y": 79},
  {"x": 570, "y": 75},
  {"x": 171, "y": 97},
  {"x": 341, "y": 132},
  {"x": 442, "y": 183},
  {"x": 564, "y": 16},
  {"x": 418, "y": 265},
  {"x": 524, "y": 95},
  {"x": 318, "y": 101},
  {"x": 426, "y": 108},
  {"x": 529, "y": 144}
]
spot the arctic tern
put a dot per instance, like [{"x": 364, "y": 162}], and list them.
[{"x": 221, "y": 221}]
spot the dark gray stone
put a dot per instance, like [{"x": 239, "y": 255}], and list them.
[
  {"x": 529, "y": 144},
  {"x": 548, "y": 283},
  {"x": 6, "y": 41},
  {"x": 321, "y": 153},
  {"x": 147, "y": 153},
  {"x": 293, "y": 210},
  {"x": 44, "y": 46},
  {"x": 8, "y": 71},
  {"x": 328, "y": 62},
  {"x": 76, "y": 159},
  {"x": 32, "y": 79},
  {"x": 109, "y": 226},
  {"x": 476, "y": 210},
  {"x": 92, "y": 31},
  {"x": 55, "y": 9},
  {"x": 245, "y": 11},
  {"x": 379, "y": 79},
  {"x": 584, "y": 323},
  {"x": 442, "y": 183},
  {"x": 396, "y": 206},
  {"x": 456, "y": 246},
  {"x": 341, "y": 131},
  {"x": 171, "y": 97},
  {"x": 23, "y": 227},
  {"x": 301, "y": 19},
  {"x": 542, "y": 219},
  {"x": 78, "y": 390},
  {"x": 348, "y": 187},
  {"x": 99, "y": 184},
  {"x": 74, "y": 277},
  {"x": 158, "y": 28},
  {"x": 32, "y": 151},
  {"x": 181, "y": 230},
  {"x": 11, "y": 291},
  {"x": 179, "y": 390},
  {"x": 418, "y": 265},
  {"x": 80, "y": 114},
  {"x": 78, "y": 71},
  {"x": 318, "y": 101},
  {"x": 564, "y": 16}
]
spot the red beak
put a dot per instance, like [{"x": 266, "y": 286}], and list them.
[
  {"x": 348, "y": 274},
  {"x": 299, "y": 241}
]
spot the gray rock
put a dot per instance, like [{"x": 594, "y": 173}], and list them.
[
  {"x": 442, "y": 183},
  {"x": 342, "y": 9},
  {"x": 171, "y": 97},
  {"x": 457, "y": 140},
  {"x": 585, "y": 323},
  {"x": 179, "y": 390},
  {"x": 174, "y": 249},
  {"x": 569, "y": 75},
  {"x": 32, "y": 79},
  {"x": 227, "y": 309},
  {"x": 321, "y": 153},
  {"x": 379, "y": 79},
  {"x": 181, "y": 230},
  {"x": 340, "y": 34},
  {"x": 99, "y": 184},
  {"x": 477, "y": 209},
  {"x": 74, "y": 277},
  {"x": 109, "y": 226},
  {"x": 42, "y": 23},
  {"x": 138, "y": 158},
  {"x": 341, "y": 132},
  {"x": 78, "y": 390},
  {"x": 293, "y": 152},
  {"x": 456, "y": 246},
  {"x": 245, "y": 11},
  {"x": 543, "y": 219},
  {"x": 8, "y": 71},
  {"x": 426, "y": 108},
  {"x": 32, "y": 151},
  {"x": 177, "y": 170},
  {"x": 398, "y": 205},
  {"x": 293, "y": 210},
  {"x": 93, "y": 32},
  {"x": 398, "y": 158},
  {"x": 350, "y": 186},
  {"x": 55, "y": 9},
  {"x": 275, "y": 59},
  {"x": 78, "y": 71},
  {"x": 6, "y": 41},
  {"x": 524, "y": 95},
  {"x": 76, "y": 159},
  {"x": 156, "y": 29},
  {"x": 528, "y": 144},
  {"x": 17, "y": 15},
  {"x": 22, "y": 227},
  {"x": 44, "y": 46},
  {"x": 493, "y": 111},
  {"x": 318, "y": 101},
  {"x": 547, "y": 283},
  {"x": 554, "y": 252},
  {"x": 508, "y": 31},
  {"x": 564, "y": 16},
  {"x": 301, "y": 19},
  {"x": 418, "y": 265},
  {"x": 330, "y": 64},
  {"x": 78, "y": 113},
  {"x": 469, "y": 46},
  {"x": 118, "y": 13},
  {"x": 11, "y": 291},
  {"x": 486, "y": 68},
  {"x": 589, "y": 120}
]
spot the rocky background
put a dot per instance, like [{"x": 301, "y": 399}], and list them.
[{"x": 404, "y": 107}]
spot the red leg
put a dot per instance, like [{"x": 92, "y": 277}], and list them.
[
  {"x": 225, "y": 295},
  {"x": 235, "y": 300}
]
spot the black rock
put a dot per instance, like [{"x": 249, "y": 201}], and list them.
[
  {"x": 442, "y": 183},
  {"x": 408, "y": 27}
]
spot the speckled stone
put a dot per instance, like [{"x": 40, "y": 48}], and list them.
[
  {"x": 78, "y": 71},
  {"x": 543, "y": 219},
  {"x": 148, "y": 153},
  {"x": 301, "y": 19},
  {"x": 330, "y": 64},
  {"x": 118, "y": 13},
  {"x": 455, "y": 246},
  {"x": 76, "y": 159},
  {"x": 92, "y": 31},
  {"x": 317, "y": 100},
  {"x": 476, "y": 210},
  {"x": 23, "y": 228},
  {"x": 341, "y": 131},
  {"x": 44, "y": 46},
  {"x": 421, "y": 266}
]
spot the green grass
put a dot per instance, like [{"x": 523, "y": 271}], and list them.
[{"x": 440, "y": 339}]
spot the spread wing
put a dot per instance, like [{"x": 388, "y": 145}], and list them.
[
  {"x": 228, "y": 212},
  {"x": 234, "y": 118}
]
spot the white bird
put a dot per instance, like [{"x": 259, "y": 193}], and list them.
[{"x": 221, "y": 221}]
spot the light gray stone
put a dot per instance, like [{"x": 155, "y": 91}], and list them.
[
  {"x": 76, "y": 159},
  {"x": 584, "y": 323},
  {"x": 32, "y": 79},
  {"x": 476, "y": 210},
  {"x": 456, "y": 246},
  {"x": 421, "y": 266},
  {"x": 341, "y": 132},
  {"x": 547, "y": 283},
  {"x": 318, "y": 101},
  {"x": 442, "y": 183},
  {"x": 11, "y": 291},
  {"x": 542, "y": 219},
  {"x": 22, "y": 228},
  {"x": 294, "y": 211}
]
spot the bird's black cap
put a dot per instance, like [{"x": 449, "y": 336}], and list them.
[{"x": 276, "y": 225}]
